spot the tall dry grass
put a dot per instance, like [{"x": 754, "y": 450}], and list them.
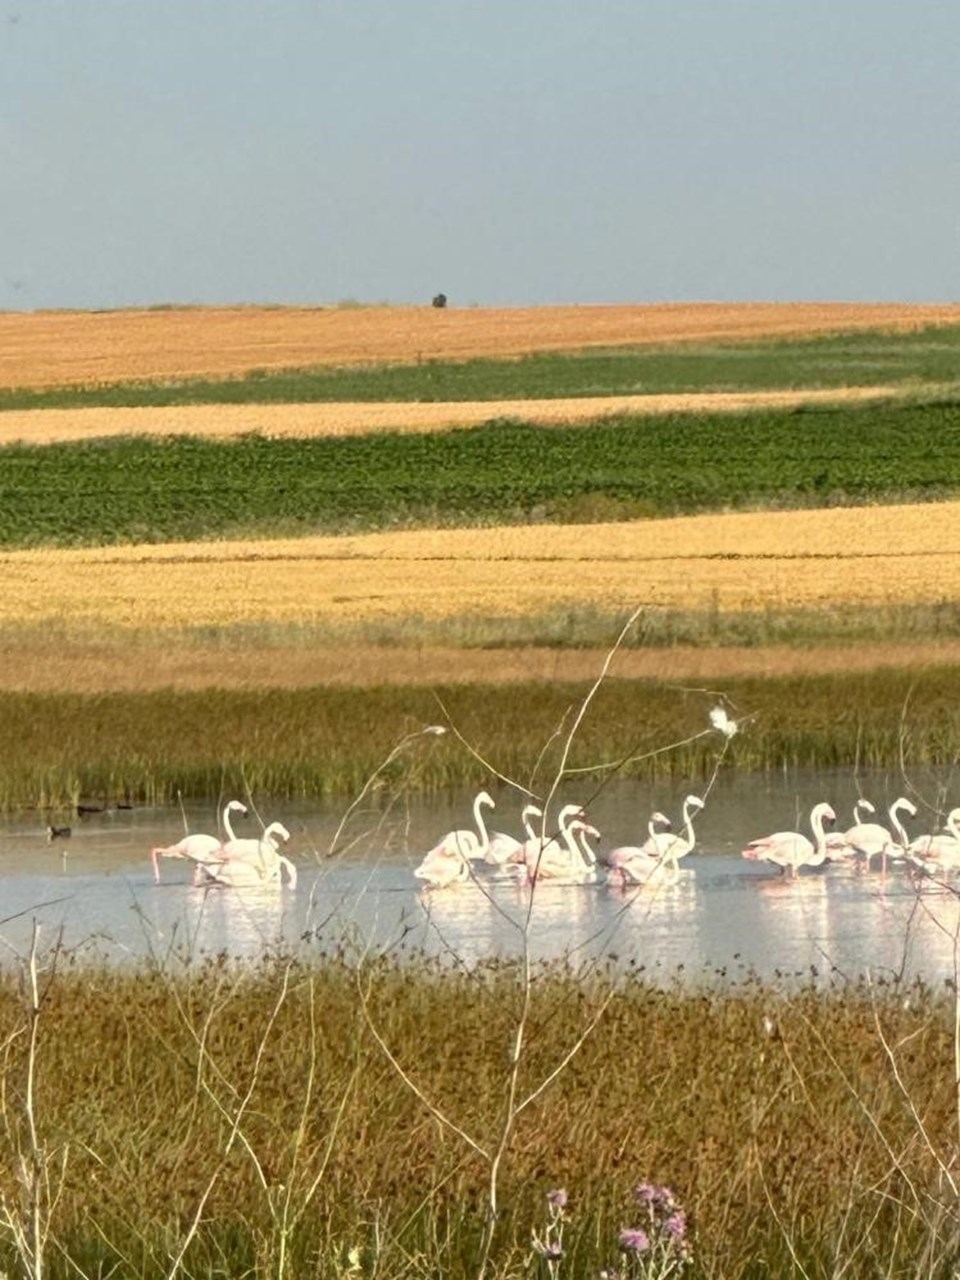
[{"x": 264, "y": 1099}]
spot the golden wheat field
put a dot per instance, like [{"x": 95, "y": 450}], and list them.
[
  {"x": 752, "y": 560},
  {"x": 49, "y": 348},
  {"x": 53, "y": 426}
]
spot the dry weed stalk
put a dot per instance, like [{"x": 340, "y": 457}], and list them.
[
  {"x": 493, "y": 1147},
  {"x": 38, "y": 1167}
]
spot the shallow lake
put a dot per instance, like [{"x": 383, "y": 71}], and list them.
[{"x": 725, "y": 918}]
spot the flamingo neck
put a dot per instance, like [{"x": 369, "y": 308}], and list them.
[
  {"x": 577, "y": 854},
  {"x": 481, "y": 825},
  {"x": 897, "y": 825},
  {"x": 816, "y": 822},
  {"x": 529, "y": 812},
  {"x": 688, "y": 809}
]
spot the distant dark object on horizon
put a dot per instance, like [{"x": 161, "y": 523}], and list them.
[
  {"x": 57, "y": 833},
  {"x": 440, "y": 300}
]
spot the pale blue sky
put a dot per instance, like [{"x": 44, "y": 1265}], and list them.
[{"x": 507, "y": 152}]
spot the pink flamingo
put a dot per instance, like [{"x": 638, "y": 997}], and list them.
[
  {"x": 635, "y": 864},
  {"x": 251, "y": 849},
  {"x": 503, "y": 848},
  {"x": 940, "y": 851},
  {"x": 569, "y": 862},
  {"x": 198, "y": 848},
  {"x": 871, "y": 838},
  {"x": 443, "y": 867},
  {"x": 471, "y": 844},
  {"x": 448, "y": 862},
  {"x": 660, "y": 853},
  {"x": 265, "y": 868},
  {"x": 789, "y": 850},
  {"x": 840, "y": 844}
]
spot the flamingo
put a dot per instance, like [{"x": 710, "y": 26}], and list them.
[
  {"x": 841, "y": 843},
  {"x": 470, "y": 844},
  {"x": 637, "y": 864},
  {"x": 253, "y": 849},
  {"x": 677, "y": 847},
  {"x": 448, "y": 861},
  {"x": 870, "y": 838},
  {"x": 573, "y": 861},
  {"x": 539, "y": 840},
  {"x": 441, "y": 868},
  {"x": 660, "y": 852},
  {"x": 503, "y": 848},
  {"x": 940, "y": 851},
  {"x": 198, "y": 848},
  {"x": 790, "y": 850},
  {"x": 247, "y": 872}
]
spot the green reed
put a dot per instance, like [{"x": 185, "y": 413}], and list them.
[
  {"x": 751, "y": 1102},
  {"x": 328, "y": 740}
]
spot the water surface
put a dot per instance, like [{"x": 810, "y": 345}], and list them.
[{"x": 725, "y": 918}]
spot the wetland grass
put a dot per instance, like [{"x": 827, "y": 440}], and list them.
[
  {"x": 321, "y": 741},
  {"x": 249, "y": 1122}
]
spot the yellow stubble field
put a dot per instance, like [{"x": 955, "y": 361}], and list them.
[
  {"x": 303, "y": 421},
  {"x": 48, "y": 348},
  {"x": 866, "y": 555}
]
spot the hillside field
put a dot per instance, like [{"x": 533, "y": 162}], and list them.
[
  {"x": 790, "y": 514},
  {"x": 51, "y": 348}
]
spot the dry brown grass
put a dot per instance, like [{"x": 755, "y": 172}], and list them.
[
  {"x": 754, "y": 560},
  {"x": 68, "y": 667},
  {"x": 50, "y": 426},
  {"x": 49, "y": 348}
]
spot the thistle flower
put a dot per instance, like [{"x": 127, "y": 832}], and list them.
[
  {"x": 557, "y": 1199},
  {"x": 634, "y": 1240},
  {"x": 676, "y": 1225}
]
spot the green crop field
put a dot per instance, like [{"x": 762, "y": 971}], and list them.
[
  {"x": 860, "y": 359},
  {"x": 150, "y": 490}
]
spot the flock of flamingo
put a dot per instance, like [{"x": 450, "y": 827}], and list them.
[
  {"x": 567, "y": 855},
  {"x": 232, "y": 862}
]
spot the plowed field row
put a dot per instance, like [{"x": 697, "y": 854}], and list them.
[
  {"x": 754, "y": 560},
  {"x": 42, "y": 349},
  {"x": 49, "y": 426}
]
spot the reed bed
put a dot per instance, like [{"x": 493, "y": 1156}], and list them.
[
  {"x": 151, "y": 746},
  {"x": 250, "y": 1123},
  {"x": 62, "y": 347}
]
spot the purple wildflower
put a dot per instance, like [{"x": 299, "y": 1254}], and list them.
[
  {"x": 656, "y": 1197},
  {"x": 634, "y": 1240},
  {"x": 676, "y": 1225},
  {"x": 557, "y": 1199}
]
